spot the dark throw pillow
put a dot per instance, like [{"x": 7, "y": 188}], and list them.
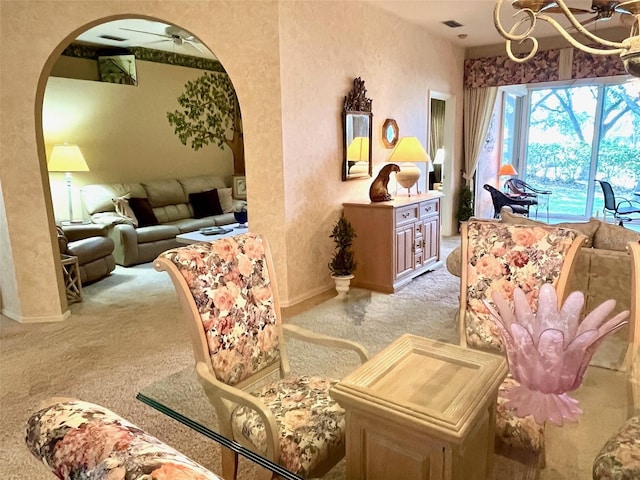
[
  {"x": 143, "y": 211},
  {"x": 205, "y": 204}
]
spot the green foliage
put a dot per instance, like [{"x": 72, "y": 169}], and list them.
[
  {"x": 465, "y": 204},
  {"x": 342, "y": 262},
  {"x": 209, "y": 108}
]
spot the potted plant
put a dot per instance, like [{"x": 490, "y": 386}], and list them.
[
  {"x": 465, "y": 204},
  {"x": 342, "y": 263}
]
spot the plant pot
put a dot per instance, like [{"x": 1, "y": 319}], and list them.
[{"x": 342, "y": 284}]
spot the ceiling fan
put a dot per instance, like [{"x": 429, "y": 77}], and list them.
[
  {"x": 172, "y": 34},
  {"x": 605, "y": 9}
]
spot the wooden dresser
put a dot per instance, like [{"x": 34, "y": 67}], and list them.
[{"x": 396, "y": 240}]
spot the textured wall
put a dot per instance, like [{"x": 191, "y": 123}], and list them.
[
  {"x": 324, "y": 46},
  {"x": 291, "y": 63}
]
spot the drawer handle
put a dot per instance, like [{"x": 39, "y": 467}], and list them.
[
  {"x": 427, "y": 209},
  {"x": 406, "y": 215}
]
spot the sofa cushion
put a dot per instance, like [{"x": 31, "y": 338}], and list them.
[
  {"x": 90, "y": 249},
  {"x": 226, "y": 199},
  {"x": 614, "y": 237},
  {"x": 155, "y": 233},
  {"x": 164, "y": 192},
  {"x": 142, "y": 210},
  {"x": 589, "y": 229},
  {"x": 205, "y": 204},
  {"x": 97, "y": 198},
  {"x": 201, "y": 183}
]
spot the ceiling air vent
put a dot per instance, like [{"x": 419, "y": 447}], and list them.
[
  {"x": 452, "y": 24},
  {"x": 111, "y": 37}
]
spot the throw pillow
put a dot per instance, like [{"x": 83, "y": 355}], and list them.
[
  {"x": 205, "y": 204},
  {"x": 588, "y": 229},
  {"x": 124, "y": 209},
  {"x": 143, "y": 211},
  {"x": 614, "y": 237},
  {"x": 226, "y": 199}
]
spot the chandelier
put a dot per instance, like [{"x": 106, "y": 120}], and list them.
[{"x": 533, "y": 10}]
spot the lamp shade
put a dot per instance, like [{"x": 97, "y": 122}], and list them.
[
  {"x": 67, "y": 158},
  {"x": 507, "y": 169},
  {"x": 358, "y": 150},
  {"x": 408, "y": 149},
  {"x": 439, "y": 158}
]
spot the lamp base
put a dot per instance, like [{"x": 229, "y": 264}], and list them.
[{"x": 408, "y": 176}]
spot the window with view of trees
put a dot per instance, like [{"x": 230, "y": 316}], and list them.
[{"x": 577, "y": 134}]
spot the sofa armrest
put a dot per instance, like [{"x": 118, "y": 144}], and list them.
[
  {"x": 80, "y": 232},
  {"x": 78, "y": 439},
  {"x": 125, "y": 239}
]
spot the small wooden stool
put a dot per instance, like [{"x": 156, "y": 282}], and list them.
[{"x": 71, "y": 274}]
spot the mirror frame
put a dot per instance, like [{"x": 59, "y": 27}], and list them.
[{"x": 356, "y": 103}]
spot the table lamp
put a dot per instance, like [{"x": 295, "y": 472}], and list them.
[
  {"x": 407, "y": 152},
  {"x": 358, "y": 155},
  {"x": 67, "y": 158},
  {"x": 507, "y": 170}
]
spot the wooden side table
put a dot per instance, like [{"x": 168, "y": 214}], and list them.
[
  {"x": 422, "y": 409},
  {"x": 72, "y": 282}
]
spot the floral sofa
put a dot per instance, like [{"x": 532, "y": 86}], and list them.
[
  {"x": 602, "y": 267},
  {"x": 144, "y": 218},
  {"x": 80, "y": 440}
]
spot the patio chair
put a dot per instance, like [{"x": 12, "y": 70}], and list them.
[
  {"x": 499, "y": 199},
  {"x": 619, "y": 209},
  {"x": 521, "y": 188},
  {"x": 499, "y": 257},
  {"x": 229, "y": 298}
]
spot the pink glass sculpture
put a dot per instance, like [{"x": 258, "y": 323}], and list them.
[{"x": 549, "y": 351}]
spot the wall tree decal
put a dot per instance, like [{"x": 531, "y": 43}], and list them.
[{"x": 210, "y": 110}]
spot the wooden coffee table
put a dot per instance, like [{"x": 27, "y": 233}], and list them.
[
  {"x": 196, "y": 236},
  {"x": 422, "y": 409}
]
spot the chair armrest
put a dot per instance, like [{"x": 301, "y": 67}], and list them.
[
  {"x": 325, "y": 340},
  {"x": 225, "y": 398},
  {"x": 80, "y": 232}
]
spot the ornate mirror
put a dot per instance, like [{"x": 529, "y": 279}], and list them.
[{"x": 356, "y": 122}]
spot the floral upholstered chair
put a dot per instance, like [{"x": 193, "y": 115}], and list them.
[
  {"x": 619, "y": 458},
  {"x": 499, "y": 257},
  {"x": 228, "y": 293},
  {"x": 81, "y": 440}
]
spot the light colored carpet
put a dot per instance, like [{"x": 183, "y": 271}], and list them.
[{"x": 127, "y": 334}]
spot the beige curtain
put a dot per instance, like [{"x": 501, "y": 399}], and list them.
[
  {"x": 477, "y": 106},
  {"x": 437, "y": 125}
]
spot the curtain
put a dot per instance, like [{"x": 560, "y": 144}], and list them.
[
  {"x": 437, "y": 126},
  {"x": 477, "y": 107}
]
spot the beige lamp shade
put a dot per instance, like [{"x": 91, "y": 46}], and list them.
[
  {"x": 507, "y": 169},
  {"x": 358, "y": 151},
  {"x": 439, "y": 158},
  {"x": 408, "y": 150},
  {"x": 67, "y": 158}
]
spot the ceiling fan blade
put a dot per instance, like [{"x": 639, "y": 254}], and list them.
[
  {"x": 148, "y": 33},
  {"x": 193, "y": 44}
]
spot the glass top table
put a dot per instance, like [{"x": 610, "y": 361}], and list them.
[{"x": 181, "y": 397}]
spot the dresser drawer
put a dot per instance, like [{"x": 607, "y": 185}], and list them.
[
  {"x": 408, "y": 214},
  {"x": 430, "y": 208}
]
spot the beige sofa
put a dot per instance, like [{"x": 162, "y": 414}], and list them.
[
  {"x": 171, "y": 205},
  {"x": 603, "y": 266}
]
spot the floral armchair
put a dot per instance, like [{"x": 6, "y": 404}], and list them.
[
  {"x": 229, "y": 297},
  {"x": 81, "y": 440},
  {"x": 499, "y": 257}
]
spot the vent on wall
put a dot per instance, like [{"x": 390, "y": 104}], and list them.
[{"x": 452, "y": 24}]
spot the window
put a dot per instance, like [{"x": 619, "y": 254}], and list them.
[{"x": 575, "y": 135}]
